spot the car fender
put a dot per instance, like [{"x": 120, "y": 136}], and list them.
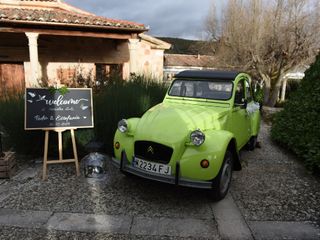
[
  {"x": 126, "y": 140},
  {"x": 213, "y": 149}
]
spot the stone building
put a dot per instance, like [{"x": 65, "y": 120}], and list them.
[{"x": 52, "y": 41}]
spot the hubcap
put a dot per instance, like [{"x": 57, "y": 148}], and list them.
[{"x": 226, "y": 175}]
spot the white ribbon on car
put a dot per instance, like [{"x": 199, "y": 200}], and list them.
[{"x": 252, "y": 107}]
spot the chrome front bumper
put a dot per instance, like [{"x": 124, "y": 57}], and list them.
[{"x": 125, "y": 166}]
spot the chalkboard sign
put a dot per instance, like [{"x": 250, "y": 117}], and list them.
[{"x": 46, "y": 109}]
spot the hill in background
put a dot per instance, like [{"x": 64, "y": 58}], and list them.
[{"x": 189, "y": 47}]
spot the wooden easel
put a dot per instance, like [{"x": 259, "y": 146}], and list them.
[{"x": 60, "y": 160}]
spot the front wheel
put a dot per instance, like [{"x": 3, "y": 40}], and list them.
[{"x": 222, "y": 181}]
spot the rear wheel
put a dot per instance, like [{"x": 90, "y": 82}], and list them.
[
  {"x": 222, "y": 182},
  {"x": 251, "y": 145}
]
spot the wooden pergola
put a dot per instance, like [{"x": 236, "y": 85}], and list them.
[{"x": 49, "y": 20}]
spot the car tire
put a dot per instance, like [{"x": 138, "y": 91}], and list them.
[
  {"x": 222, "y": 181},
  {"x": 251, "y": 145}
]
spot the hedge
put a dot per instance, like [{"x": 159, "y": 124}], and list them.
[
  {"x": 297, "y": 127},
  {"x": 124, "y": 99},
  {"x": 116, "y": 100}
]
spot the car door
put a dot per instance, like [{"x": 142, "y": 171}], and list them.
[{"x": 240, "y": 123}]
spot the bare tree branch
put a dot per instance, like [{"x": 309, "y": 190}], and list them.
[{"x": 267, "y": 38}]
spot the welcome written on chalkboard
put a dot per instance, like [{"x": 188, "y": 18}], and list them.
[{"x": 47, "y": 110}]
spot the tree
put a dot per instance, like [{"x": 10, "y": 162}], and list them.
[{"x": 266, "y": 38}]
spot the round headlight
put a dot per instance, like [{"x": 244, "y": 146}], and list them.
[
  {"x": 197, "y": 137},
  {"x": 123, "y": 125}
]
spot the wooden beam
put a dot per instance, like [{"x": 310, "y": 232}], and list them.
[
  {"x": 68, "y": 33},
  {"x": 134, "y": 35}
]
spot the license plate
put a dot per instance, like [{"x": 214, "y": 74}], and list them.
[{"x": 151, "y": 167}]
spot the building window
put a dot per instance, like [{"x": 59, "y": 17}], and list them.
[
  {"x": 104, "y": 71},
  {"x": 101, "y": 71},
  {"x": 115, "y": 70},
  {"x": 66, "y": 75}
]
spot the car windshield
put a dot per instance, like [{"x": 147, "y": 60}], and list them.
[{"x": 206, "y": 89}]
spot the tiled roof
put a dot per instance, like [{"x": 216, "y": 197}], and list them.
[
  {"x": 183, "y": 60},
  {"x": 38, "y": 0},
  {"x": 155, "y": 43},
  {"x": 48, "y": 15}
]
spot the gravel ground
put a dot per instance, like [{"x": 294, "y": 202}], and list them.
[
  {"x": 117, "y": 195},
  {"x": 7, "y": 233},
  {"x": 274, "y": 185}
]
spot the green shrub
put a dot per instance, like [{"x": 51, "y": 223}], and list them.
[
  {"x": 123, "y": 99},
  {"x": 116, "y": 100},
  {"x": 12, "y": 121},
  {"x": 292, "y": 86},
  {"x": 258, "y": 94},
  {"x": 298, "y": 125},
  {"x": 32, "y": 142}
]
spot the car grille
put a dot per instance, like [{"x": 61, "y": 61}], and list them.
[{"x": 152, "y": 151}]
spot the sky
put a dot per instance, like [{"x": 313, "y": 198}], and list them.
[{"x": 165, "y": 18}]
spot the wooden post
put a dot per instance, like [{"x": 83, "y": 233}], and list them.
[
  {"x": 45, "y": 156},
  {"x": 75, "y": 153},
  {"x": 60, "y": 160},
  {"x": 60, "y": 144}
]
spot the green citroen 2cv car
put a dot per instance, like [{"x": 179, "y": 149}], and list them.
[{"x": 194, "y": 136}]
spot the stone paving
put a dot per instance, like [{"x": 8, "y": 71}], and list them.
[{"x": 271, "y": 198}]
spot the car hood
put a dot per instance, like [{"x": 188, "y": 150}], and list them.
[{"x": 173, "y": 122}]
